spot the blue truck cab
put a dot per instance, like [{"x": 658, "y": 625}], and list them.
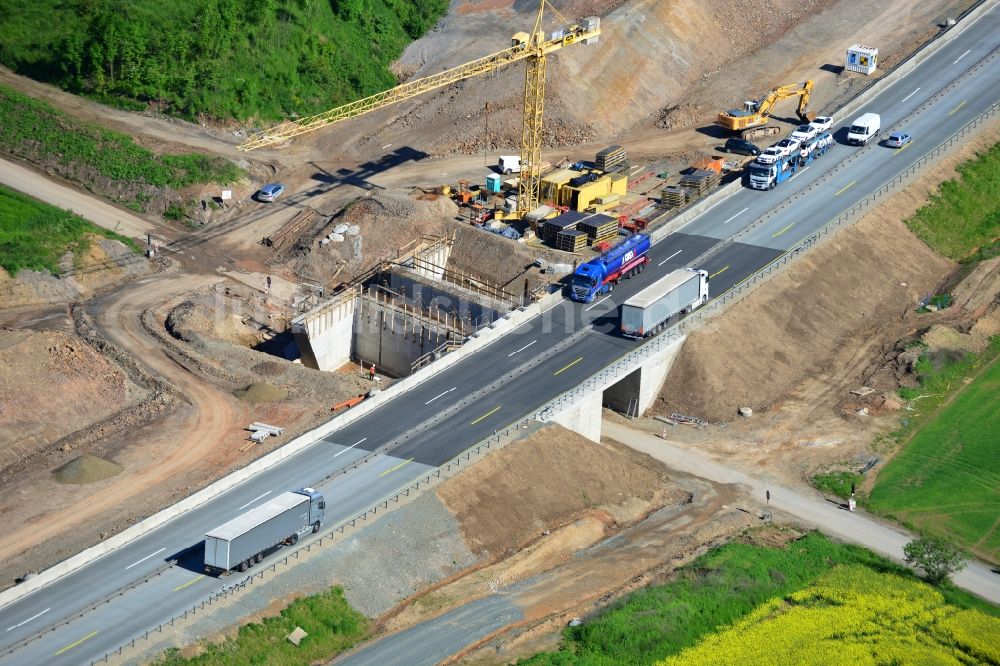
[{"x": 601, "y": 274}]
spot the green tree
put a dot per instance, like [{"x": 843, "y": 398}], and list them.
[{"x": 937, "y": 557}]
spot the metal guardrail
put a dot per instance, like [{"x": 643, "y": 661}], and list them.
[
  {"x": 851, "y": 157},
  {"x": 622, "y": 365},
  {"x": 626, "y": 364},
  {"x": 395, "y": 497},
  {"x": 466, "y": 457}
]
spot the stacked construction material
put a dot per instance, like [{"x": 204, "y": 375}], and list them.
[
  {"x": 598, "y": 227},
  {"x": 612, "y": 158},
  {"x": 700, "y": 181},
  {"x": 674, "y": 195},
  {"x": 571, "y": 240},
  {"x": 557, "y": 225}
]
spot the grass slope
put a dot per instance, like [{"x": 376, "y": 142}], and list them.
[
  {"x": 854, "y": 615},
  {"x": 946, "y": 479},
  {"x": 239, "y": 59},
  {"x": 718, "y": 589},
  {"x": 330, "y": 622},
  {"x": 962, "y": 221},
  {"x": 107, "y": 162},
  {"x": 35, "y": 235}
]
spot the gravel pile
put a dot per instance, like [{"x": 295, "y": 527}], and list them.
[{"x": 86, "y": 469}]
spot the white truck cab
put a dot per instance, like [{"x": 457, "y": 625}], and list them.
[{"x": 864, "y": 128}]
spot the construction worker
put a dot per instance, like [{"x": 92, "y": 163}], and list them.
[{"x": 371, "y": 373}]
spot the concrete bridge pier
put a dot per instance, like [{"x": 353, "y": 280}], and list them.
[{"x": 630, "y": 386}]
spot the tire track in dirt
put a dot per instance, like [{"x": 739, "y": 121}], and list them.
[{"x": 185, "y": 438}]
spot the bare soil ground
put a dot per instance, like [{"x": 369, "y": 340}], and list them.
[
  {"x": 828, "y": 325},
  {"x": 184, "y": 430},
  {"x": 189, "y": 430},
  {"x": 502, "y": 502},
  {"x": 541, "y": 510}
]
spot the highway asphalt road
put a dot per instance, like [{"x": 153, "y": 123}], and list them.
[
  {"x": 430, "y": 642},
  {"x": 450, "y": 411}
]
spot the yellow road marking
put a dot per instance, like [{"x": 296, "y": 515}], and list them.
[
  {"x": 564, "y": 368},
  {"x": 719, "y": 272},
  {"x": 73, "y": 645},
  {"x": 193, "y": 580},
  {"x": 846, "y": 187},
  {"x": 960, "y": 105},
  {"x": 405, "y": 462},
  {"x": 904, "y": 147},
  {"x": 492, "y": 411},
  {"x": 775, "y": 235}
]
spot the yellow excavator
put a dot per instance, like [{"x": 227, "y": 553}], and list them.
[{"x": 751, "y": 120}]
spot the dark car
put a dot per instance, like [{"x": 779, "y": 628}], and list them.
[{"x": 741, "y": 146}]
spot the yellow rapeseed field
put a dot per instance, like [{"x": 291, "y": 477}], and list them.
[{"x": 854, "y": 615}]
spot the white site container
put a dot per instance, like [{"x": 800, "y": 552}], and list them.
[{"x": 863, "y": 59}]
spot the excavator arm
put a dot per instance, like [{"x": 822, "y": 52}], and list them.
[{"x": 766, "y": 105}]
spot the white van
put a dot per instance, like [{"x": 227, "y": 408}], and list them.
[
  {"x": 510, "y": 164},
  {"x": 864, "y": 128}
]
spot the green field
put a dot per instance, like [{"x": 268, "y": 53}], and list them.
[
  {"x": 333, "y": 627},
  {"x": 946, "y": 479},
  {"x": 106, "y": 162},
  {"x": 853, "y": 615},
  {"x": 962, "y": 221},
  {"x": 35, "y": 235},
  {"x": 718, "y": 589},
  {"x": 267, "y": 59}
]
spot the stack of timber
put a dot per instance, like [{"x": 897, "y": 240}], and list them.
[
  {"x": 571, "y": 240},
  {"x": 599, "y": 228},
  {"x": 700, "y": 180},
  {"x": 675, "y": 195},
  {"x": 293, "y": 228},
  {"x": 612, "y": 158}
]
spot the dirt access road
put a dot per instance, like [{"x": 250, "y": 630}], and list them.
[
  {"x": 801, "y": 505},
  {"x": 85, "y": 205},
  {"x": 165, "y": 454}
]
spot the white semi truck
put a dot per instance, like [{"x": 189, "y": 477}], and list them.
[
  {"x": 244, "y": 540},
  {"x": 679, "y": 291}
]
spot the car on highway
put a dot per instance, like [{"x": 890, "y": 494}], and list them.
[
  {"x": 898, "y": 139},
  {"x": 770, "y": 155},
  {"x": 270, "y": 192},
  {"x": 742, "y": 147},
  {"x": 821, "y": 123},
  {"x": 788, "y": 146},
  {"x": 804, "y": 132}
]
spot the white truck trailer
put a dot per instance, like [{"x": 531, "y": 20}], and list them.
[
  {"x": 244, "y": 540},
  {"x": 679, "y": 291}
]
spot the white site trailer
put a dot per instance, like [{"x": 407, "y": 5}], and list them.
[
  {"x": 682, "y": 290},
  {"x": 244, "y": 540}
]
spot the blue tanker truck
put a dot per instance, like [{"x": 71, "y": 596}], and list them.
[{"x": 600, "y": 275}]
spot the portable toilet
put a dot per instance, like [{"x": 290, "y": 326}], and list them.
[
  {"x": 862, "y": 59},
  {"x": 493, "y": 181}
]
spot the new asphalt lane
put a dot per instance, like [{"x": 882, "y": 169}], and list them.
[{"x": 451, "y": 411}]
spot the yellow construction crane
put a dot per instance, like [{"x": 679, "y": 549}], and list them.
[
  {"x": 751, "y": 121},
  {"x": 532, "y": 47}
]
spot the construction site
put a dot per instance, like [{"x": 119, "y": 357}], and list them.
[{"x": 417, "y": 223}]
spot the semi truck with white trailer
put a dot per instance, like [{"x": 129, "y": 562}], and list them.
[
  {"x": 679, "y": 291},
  {"x": 244, "y": 540}
]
